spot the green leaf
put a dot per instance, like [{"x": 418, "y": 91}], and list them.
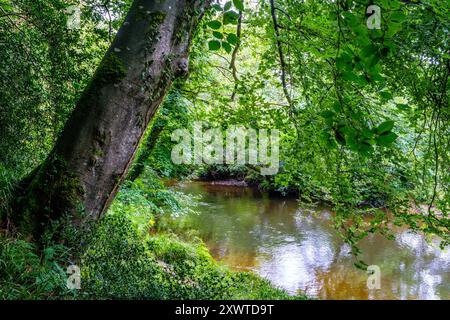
[
  {"x": 403, "y": 107},
  {"x": 367, "y": 133},
  {"x": 216, "y": 7},
  {"x": 351, "y": 143},
  {"x": 230, "y": 17},
  {"x": 218, "y": 35},
  {"x": 386, "y": 95},
  {"x": 238, "y": 4},
  {"x": 327, "y": 114},
  {"x": 369, "y": 141},
  {"x": 328, "y": 139},
  {"x": 214, "y": 45},
  {"x": 393, "y": 29},
  {"x": 340, "y": 64},
  {"x": 226, "y": 46},
  {"x": 394, "y": 4},
  {"x": 398, "y": 17},
  {"x": 385, "y": 127},
  {"x": 366, "y": 148},
  {"x": 214, "y": 24},
  {"x": 227, "y": 6},
  {"x": 337, "y": 107},
  {"x": 350, "y": 76},
  {"x": 386, "y": 140},
  {"x": 349, "y": 132},
  {"x": 232, "y": 39}
]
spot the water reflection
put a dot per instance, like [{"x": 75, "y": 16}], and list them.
[{"x": 297, "y": 250}]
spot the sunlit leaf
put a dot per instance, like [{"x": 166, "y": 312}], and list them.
[
  {"x": 214, "y": 45},
  {"x": 226, "y": 46},
  {"x": 238, "y": 4},
  {"x": 214, "y": 24},
  {"x": 386, "y": 140},
  {"x": 385, "y": 127}
]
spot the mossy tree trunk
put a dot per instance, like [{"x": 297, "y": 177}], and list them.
[{"x": 99, "y": 141}]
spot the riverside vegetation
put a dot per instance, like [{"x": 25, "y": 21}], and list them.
[{"x": 88, "y": 108}]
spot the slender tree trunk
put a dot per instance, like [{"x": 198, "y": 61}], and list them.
[
  {"x": 146, "y": 150},
  {"x": 170, "y": 106},
  {"x": 91, "y": 157}
]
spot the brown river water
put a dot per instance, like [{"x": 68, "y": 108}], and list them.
[{"x": 300, "y": 251}]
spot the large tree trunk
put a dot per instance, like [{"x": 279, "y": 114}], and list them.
[{"x": 91, "y": 157}]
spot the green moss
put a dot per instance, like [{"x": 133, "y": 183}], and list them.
[
  {"x": 54, "y": 191},
  {"x": 157, "y": 17},
  {"x": 155, "y": 20},
  {"x": 111, "y": 70},
  {"x": 132, "y": 264},
  {"x": 98, "y": 153},
  {"x": 100, "y": 137}
]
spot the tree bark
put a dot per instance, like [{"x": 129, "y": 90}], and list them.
[{"x": 80, "y": 178}]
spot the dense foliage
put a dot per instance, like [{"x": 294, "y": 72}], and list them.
[{"x": 363, "y": 114}]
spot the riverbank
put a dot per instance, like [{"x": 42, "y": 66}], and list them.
[{"x": 129, "y": 254}]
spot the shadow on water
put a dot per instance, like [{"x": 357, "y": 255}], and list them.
[{"x": 299, "y": 250}]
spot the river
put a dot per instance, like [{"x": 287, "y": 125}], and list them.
[{"x": 300, "y": 251}]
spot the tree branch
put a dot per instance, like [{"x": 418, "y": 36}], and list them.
[
  {"x": 280, "y": 53},
  {"x": 234, "y": 54}
]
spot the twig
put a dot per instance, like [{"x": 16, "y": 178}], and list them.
[{"x": 234, "y": 54}]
